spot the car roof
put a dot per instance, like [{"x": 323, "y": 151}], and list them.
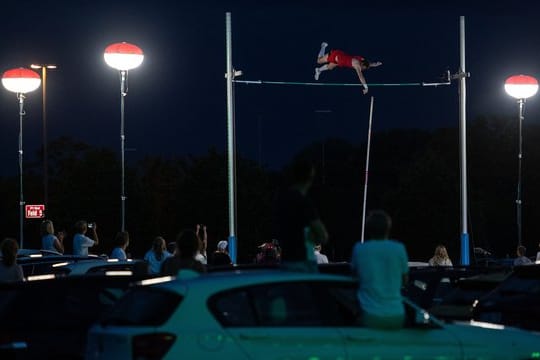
[{"x": 219, "y": 281}]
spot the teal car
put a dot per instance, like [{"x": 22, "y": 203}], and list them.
[{"x": 275, "y": 314}]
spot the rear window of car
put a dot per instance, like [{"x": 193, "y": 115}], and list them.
[{"x": 143, "y": 306}]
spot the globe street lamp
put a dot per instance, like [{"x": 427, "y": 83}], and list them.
[
  {"x": 44, "y": 117},
  {"x": 123, "y": 57},
  {"x": 520, "y": 87},
  {"x": 21, "y": 81}
]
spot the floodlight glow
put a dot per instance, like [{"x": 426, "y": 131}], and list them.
[
  {"x": 521, "y": 86},
  {"x": 21, "y": 80},
  {"x": 123, "y": 56}
]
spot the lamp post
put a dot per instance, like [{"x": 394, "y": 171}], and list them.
[
  {"x": 520, "y": 87},
  {"x": 21, "y": 81},
  {"x": 123, "y": 57},
  {"x": 44, "y": 68}
]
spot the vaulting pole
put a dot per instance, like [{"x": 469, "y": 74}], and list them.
[{"x": 367, "y": 168}]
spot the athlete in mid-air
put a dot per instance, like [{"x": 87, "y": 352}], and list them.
[{"x": 339, "y": 58}]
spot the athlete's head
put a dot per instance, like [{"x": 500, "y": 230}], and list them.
[{"x": 365, "y": 64}]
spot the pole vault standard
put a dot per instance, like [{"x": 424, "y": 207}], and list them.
[
  {"x": 367, "y": 169},
  {"x": 231, "y": 141}
]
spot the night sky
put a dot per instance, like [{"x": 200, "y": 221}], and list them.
[{"x": 177, "y": 99}]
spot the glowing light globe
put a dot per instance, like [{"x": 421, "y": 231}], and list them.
[
  {"x": 21, "y": 80},
  {"x": 521, "y": 86},
  {"x": 123, "y": 56}
]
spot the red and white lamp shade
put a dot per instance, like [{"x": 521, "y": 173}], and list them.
[
  {"x": 521, "y": 86},
  {"x": 21, "y": 80},
  {"x": 123, "y": 56}
]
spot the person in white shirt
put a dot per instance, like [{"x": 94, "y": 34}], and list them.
[
  {"x": 81, "y": 242},
  {"x": 321, "y": 258}
]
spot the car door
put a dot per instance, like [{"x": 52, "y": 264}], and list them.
[
  {"x": 421, "y": 338},
  {"x": 278, "y": 321}
]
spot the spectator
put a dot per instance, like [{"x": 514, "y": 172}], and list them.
[
  {"x": 221, "y": 255},
  {"x": 122, "y": 242},
  {"x": 296, "y": 222},
  {"x": 9, "y": 269},
  {"x": 381, "y": 266},
  {"x": 157, "y": 255},
  {"x": 268, "y": 254},
  {"x": 187, "y": 244},
  {"x": 321, "y": 258},
  {"x": 521, "y": 258},
  {"x": 81, "y": 242},
  {"x": 440, "y": 258},
  {"x": 48, "y": 240},
  {"x": 203, "y": 241}
]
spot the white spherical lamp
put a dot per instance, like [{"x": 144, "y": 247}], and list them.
[{"x": 123, "y": 56}]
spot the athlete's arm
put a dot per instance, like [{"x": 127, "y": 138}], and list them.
[{"x": 358, "y": 70}]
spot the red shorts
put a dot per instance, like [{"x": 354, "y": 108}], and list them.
[{"x": 342, "y": 59}]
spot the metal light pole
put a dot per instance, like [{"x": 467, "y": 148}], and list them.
[
  {"x": 21, "y": 81},
  {"x": 123, "y": 57},
  {"x": 520, "y": 87},
  {"x": 44, "y": 68}
]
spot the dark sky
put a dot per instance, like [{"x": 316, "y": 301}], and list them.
[{"x": 177, "y": 99}]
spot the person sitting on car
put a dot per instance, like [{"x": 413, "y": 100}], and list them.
[
  {"x": 381, "y": 266},
  {"x": 521, "y": 259},
  {"x": 187, "y": 245},
  {"x": 9, "y": 269}
]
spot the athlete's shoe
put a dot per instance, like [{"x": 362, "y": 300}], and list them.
[
  {"x": 317, "y": 73},
  {"x": 323, "y": 45}
]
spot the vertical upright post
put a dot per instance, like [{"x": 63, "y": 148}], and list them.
[
  {"x": 463, "y": 143},
  {"x": 367, "y": 169},
  {"x": 123, "y": 75},
  {"x": 520, "y": 158},
  {"x": 231, "y": 141},
  {"x": 21, "y": 196},
  {"x": 44, "y": 116}
]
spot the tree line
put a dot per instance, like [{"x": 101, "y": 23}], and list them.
[{"x": 414, "y": 176}]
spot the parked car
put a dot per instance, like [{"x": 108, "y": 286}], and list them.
[
  {"x": 274, "y": 314},
  {"x": 428, "y": 286},
  {"x": 102, "y": 266},
  {"x": 49, "y": 319},
  {"x": 40, "y": 264},
  {"x": 515, "y": 302},
  {"x": 457, "y": 303}
]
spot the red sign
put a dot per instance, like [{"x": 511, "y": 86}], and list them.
[{"x": 35, "y": 211}]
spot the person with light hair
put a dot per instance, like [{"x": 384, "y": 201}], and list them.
[
  {"x": 440, "y": 258},
  {"x": 48, "y": 240}
]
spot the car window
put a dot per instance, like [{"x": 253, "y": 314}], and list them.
[
  {"x": 143, "y": 306},
  {"x": 288, "y": 304},
  {"x": 234, "y": 309}
]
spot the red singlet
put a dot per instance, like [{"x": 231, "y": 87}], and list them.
[{"x": 342, "y": 59}]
